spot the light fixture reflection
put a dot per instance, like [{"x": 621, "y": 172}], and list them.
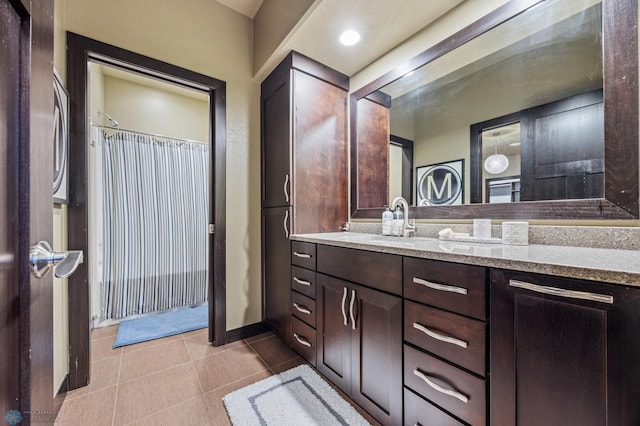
[{"x": 496, "y": 164}]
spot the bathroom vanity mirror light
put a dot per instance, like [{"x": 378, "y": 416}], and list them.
[{"x": 618, "y": 197}]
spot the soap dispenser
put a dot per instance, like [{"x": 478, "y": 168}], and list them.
[
  {"x": 398, "y": 221},
  {"x": 387, "y": 221}
]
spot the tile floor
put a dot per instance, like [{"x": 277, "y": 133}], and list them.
[{"x": 176, "y": 380}]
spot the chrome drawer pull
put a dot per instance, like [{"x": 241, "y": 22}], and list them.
[
  {"x": 441, "y": 287},
  {"x": 285, "y": 223},
  {"x": 344, "y": 310},
  {"x": 302, "y": 309},
  {"x": 437, "y": 336},
  {"x": 571, "y": 294},
  {"x": 302, "y": 340},
  {"x": 285, "y": 188},
  {"x": 302, "y": 255},
  {"x": 353, "y": 300},
  {"x": 440, "y": 389},
  {"x": 301, "y": 282}
]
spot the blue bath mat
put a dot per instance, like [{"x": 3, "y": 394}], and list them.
[{"x": 161, "y": 325}]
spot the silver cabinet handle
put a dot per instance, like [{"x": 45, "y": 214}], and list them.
[
  {"x": 42, "y": 258},
  {"x": 301, "y": 282},
  {"x": 344, "y": 299},
  {"x": 353, "y": 300},
  {"x": 437, "y": 336},
  {"x": 302, "y": 255},
  {"x": 560, "y": 292},
  {"x": 302, "y": 340},
  {"x": 286, "y": 223},
  {"x": 302, "y": 309},
  {"x": 286, "y": 188},
  {"x": 440, "y": 389},
  {"x": 441, "y": 287}
]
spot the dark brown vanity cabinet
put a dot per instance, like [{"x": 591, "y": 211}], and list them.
[
  {"x": 303, "y": 300},
  {"x": 304, "y": 169},
  {"x": 359, "y": 330},
  {"x": 445, "y": 333},
  {"x": 563, "y": 351}
]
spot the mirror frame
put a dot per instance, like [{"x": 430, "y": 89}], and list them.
[{"x": 620, "y": 84}]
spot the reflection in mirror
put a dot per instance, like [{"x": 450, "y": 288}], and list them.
[
  {"x": 551, "y": 52},
  {"x": 524, "y": 57},
  {"x": 501, "y": 164}
]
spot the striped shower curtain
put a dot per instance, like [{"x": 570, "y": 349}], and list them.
[{"x": 156, "y": 203}]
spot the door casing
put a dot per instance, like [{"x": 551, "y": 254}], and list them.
[{"x": 81, "y": 50}]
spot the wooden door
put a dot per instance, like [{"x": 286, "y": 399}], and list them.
[
  {"x": 376, "y": 354},
  {"x": 276, "y": 224},
  {"x": 333, "y": 332},
  {"x": 276, "y": 142},
  {"x": 26, "y": 149},
  {"x": 563, "y": 360}
]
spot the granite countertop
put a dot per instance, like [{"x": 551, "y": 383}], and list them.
[{"x": 596, "y": 264}]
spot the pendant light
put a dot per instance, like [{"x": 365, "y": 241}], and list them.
[{"x": 496, "y": 163}]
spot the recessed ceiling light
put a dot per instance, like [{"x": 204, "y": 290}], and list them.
[{"x": 349, "y": 38}]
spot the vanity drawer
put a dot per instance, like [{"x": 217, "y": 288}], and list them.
[
  {"x": 303, "y": 281},
  {"x": 303, "y": 254},
  {"x": 455, "y": 287},
  {"x": 304, "y": 308},
  {"x": 303, "y": 340},
  {"x": 447, "y": 384},
  {"x": 453, "y": 337},
  {"x": 418, "y": 411},
  {"x": 377, "y": 270}
]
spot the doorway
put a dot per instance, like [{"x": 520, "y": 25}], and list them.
[{"x": 80, "y": 52}]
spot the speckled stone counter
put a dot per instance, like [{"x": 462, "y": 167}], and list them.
[{"x": 597, "y": 264}]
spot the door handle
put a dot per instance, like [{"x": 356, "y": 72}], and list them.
[
  {"x": 42, "y": 259},
  {"x": 353, "y": 318}
]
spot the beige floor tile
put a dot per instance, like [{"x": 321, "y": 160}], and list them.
[
  {"x": 98, "y": 333},
  {"x": 153, "y": 359},
  {"x": 103, "y": 348},
  {"x": 218, "y": 370},
  {"x": 188, "y": 334},
  {"x": 287, "y": 365},
  {"x": 94, "y": 409},
  {"x": 199, "y": 346},
  {"x": 150, "y": 394},
  {"x": 196, "y": 411},
  {"x": 273, "y": 351},
  {"x": 266, "y": 335},
  {"x": 214, "y": 398},
  {"x": 104, "y": 374}
]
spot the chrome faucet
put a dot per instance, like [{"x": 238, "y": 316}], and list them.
[{"x": 408, "y": 229}]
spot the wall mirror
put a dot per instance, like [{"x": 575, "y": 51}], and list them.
[{"x": 538, "y": 99}]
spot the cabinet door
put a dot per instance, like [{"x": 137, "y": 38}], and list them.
[
  {"x": 319, "y": 155},
  {"x": 333, "y": 332},
  {"x": 276, "y": 142},
  {"x": 276, "y": 253},
  {"x": 566, "y": 358},
  {"x": 376, "y": 353}
]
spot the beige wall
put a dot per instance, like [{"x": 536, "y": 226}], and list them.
[
  {"x": 272, "y": 24},
  {"x": 155, "y": 110},
  {"x": 60, "y": 301},
  {"x": 206, "y": 37}
]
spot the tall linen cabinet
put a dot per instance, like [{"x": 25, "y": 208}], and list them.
[{"x": 304, "y": 169}]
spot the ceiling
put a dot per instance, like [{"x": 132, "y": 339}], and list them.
[
  {"x": 246, "y": 7},
  {"x": 382, "y": 24}
]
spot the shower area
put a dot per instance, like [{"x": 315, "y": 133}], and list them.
[{"x": 149, "y": 175}]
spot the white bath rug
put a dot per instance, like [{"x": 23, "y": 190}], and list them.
[{"x": 296, "y": 397}]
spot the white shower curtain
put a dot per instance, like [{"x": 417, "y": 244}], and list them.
[{"x": 156, "y": 202}]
